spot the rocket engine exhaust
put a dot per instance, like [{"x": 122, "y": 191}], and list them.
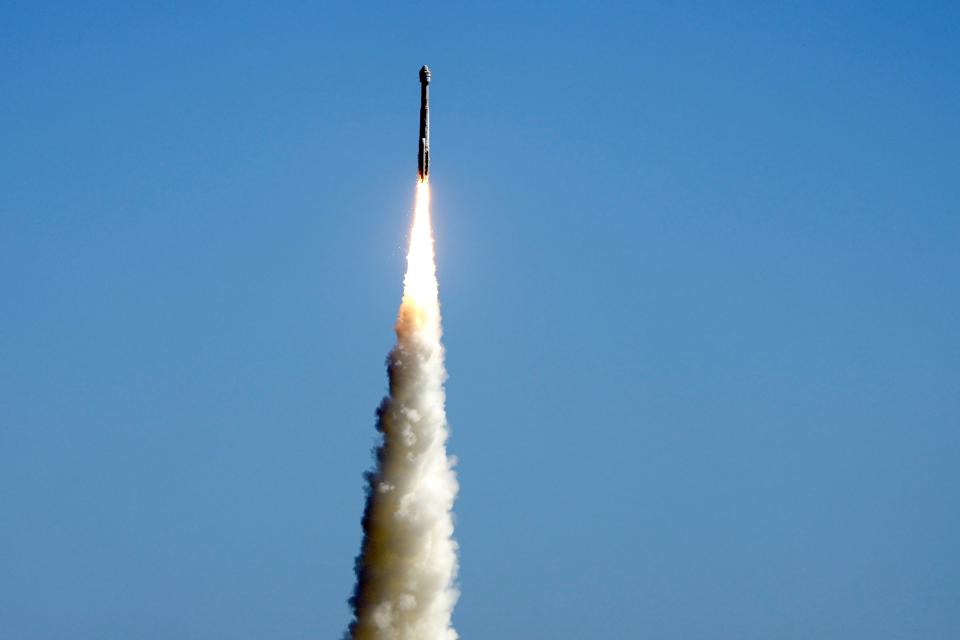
[{"x": 408, "y": 559}]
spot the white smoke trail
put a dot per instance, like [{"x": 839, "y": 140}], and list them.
[{"x": 408, "y": 562}]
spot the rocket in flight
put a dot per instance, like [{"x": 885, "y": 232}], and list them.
[{"x": 423, "y": 154}]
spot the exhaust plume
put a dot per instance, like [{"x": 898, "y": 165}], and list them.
[{"x": 408, "y": 561}]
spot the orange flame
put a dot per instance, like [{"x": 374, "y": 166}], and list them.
[{"x": 420, "y": 303}]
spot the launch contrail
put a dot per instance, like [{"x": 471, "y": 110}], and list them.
[{"x": 408, "y": 561}]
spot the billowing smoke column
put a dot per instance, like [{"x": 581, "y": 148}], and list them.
[{"x": 408, "y": 562}]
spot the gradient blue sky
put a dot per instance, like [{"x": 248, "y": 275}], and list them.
[{"x": 700, "y": 268}]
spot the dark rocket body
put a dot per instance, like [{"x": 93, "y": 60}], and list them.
[{"x": 423, "y": 154}]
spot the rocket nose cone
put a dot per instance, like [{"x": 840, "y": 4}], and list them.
[{"x": 425, "y": 74}]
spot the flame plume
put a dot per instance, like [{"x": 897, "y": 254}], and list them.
[
  {"x": 420, "y": 292},
  {"x": 408, "y": 561}
]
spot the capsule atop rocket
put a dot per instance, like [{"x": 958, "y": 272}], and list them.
[{"x": 423, "y": 154}]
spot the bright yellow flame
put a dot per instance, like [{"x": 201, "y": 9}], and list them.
[{"x": 420, "y": 282}]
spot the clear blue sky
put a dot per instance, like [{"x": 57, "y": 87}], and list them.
[{"x": 700, "y": 268}]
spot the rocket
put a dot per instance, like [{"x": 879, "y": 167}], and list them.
[{"x": 423, "y": 154}]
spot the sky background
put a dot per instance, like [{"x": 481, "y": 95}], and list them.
[{"x": 700, "y": 269}]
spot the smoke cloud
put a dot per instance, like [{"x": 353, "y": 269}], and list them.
[{"x": 408, "y": 561}]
